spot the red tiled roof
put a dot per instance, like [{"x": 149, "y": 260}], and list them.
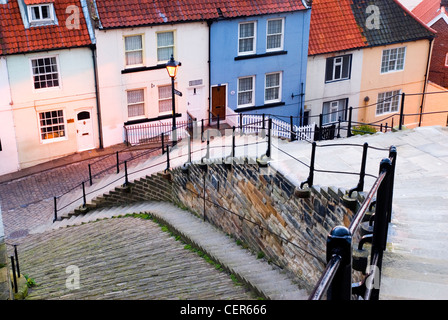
[
  {"x": 427, "y": 10},
  {"x": 125, "y": 13},
  {"x": 339, "y": 25},
  {"x": 28, "y": 2},
  {"x": 14, "y": 38},
  {"x": 333, "y": 27}
]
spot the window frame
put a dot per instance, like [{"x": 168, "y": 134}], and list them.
[
  {"x": 446, "y": 60},
  {"x": 254, "y": 39},
  {"x": 384, "y": 99},
  {"x": 64, "y": 124},
  {"x": 252, "y": 95},
  {"x": 135, "y": 103},
  {"x": 50, "y": 19},
  {"x": 141, "y": 35},
  {"x": 163, "y": 47},
  {"x": 279, "y": 87},
  {"x": 396, "y": 60},
  {"x": 341, "y": 111},
  {"x": 170, "y": 98},
  {"x": 282, "y": 35},
  {"x": 58, "y": 72},
  {"x": 343, "y": 58}
]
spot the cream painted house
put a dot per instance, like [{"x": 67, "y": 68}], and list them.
[
  {"x": 46, "y": 50},
  {"x": 361, "y": 57}
]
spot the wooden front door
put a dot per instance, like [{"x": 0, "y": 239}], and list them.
[{"x": 219, "y": 102}]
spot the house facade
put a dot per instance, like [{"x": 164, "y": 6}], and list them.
[
  {"x": 132, "y": 52},
  {"x": 361, "y": 57},
  {"x": 258, "y": 61},
  {"x": 46, "y": 49}
]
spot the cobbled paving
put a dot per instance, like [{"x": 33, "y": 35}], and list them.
[{"x": 126, "y": 258}]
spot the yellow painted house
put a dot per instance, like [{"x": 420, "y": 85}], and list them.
[{"x": 372, "y": 55}]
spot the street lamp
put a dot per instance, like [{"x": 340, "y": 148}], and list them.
[{"x": 172, "y": 67}]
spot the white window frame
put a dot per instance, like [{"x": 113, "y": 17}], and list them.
[
  {"x": 254, "y": 38},
  {"x": 336, "y": 108},
  {"x": 135, "y": 103},
  {"x": 279, "y": 87},
  {"x": 252, "y": 103},
  {"x": 51, "y": 140},
  {"x": 126, "y": 51},
  {"x": 385, "y": 60},
  {"x": 383, "y": 100},
  {"x": 170, "y": 98},
  {"x": 163, "y": 47},
  {"x": 282, "y": 34},
  {"x": 56, "y": 57},
  {"x": 50, "y": 19}
]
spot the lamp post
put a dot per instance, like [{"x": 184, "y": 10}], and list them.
[{"x": 172, "y": 67}]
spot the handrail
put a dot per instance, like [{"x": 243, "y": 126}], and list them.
[{"x": 327, "y": 277}]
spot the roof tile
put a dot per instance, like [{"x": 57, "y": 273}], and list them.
[{"x": 15, "y": 38}]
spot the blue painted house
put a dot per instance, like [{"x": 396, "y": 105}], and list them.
[{"x": 258, "y": 58}]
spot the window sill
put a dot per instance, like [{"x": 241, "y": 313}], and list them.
[
  {"x": 265, "y": 106},
  {"x": 262, "y": 55}
]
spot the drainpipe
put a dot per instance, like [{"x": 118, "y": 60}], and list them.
[
  {"x": 98, "y": 107},
  {"x": 209, "y": 24},
  {"x": 426, "y": 80}
]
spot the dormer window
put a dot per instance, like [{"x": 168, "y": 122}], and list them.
[{"x": 41, "y": 14}]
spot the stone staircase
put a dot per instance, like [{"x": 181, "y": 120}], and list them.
[{"x": 265, "y": 279}]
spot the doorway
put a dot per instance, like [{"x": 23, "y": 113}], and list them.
[
  {"x": 84, "y": 131},
  {"x": 219, "y": 94}
]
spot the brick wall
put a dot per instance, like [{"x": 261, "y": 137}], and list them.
[{"x": 438, "y": 72}]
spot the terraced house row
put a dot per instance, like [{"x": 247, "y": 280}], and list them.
[{"x": 74, "y": 73}]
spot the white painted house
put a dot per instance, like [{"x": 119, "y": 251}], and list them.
[
  {"x": 132, "y": 52},
  {"x": 46, "y": 49},
  {"x": 8, "y": 148}
]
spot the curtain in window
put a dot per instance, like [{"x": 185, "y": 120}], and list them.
[
  {"x": 274, "y": 38},
  {"x": 165, "y": 45},
  {"x": 165, "y": 93},
  {"x": 136, "y": 103},
  {"x": 333, "y": 110},
  {"x": 245, "y": 86},
  {"x": 246, "y": 41},
  {"x": 134, "y": 50},
  {"x": 272, "y": 87}
]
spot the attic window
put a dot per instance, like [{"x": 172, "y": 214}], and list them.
[{"x": 41, "y": 14}]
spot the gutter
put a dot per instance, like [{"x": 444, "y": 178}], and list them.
[{"x": 209, "y": 24}]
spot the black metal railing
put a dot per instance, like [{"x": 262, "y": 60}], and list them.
[{"x": 336, "y": 280}]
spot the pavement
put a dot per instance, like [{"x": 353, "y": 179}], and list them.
[{"x": 415, "y": 260}]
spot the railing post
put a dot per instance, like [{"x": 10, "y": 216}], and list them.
[
  {"x": 264, "y": 120},
  {"x": 233, "y": 142},
  {"x": 380, "y": 225},
  {"x": 217, "y": 122},
  {"x": 291, "y": 124},
  {"x": 55, "y": 202},
  {"x": 339, "y": 128},
  {"x": 241, "y": 122},
  {"x": 349, "y": 129},
  {"x": 163, "y": 142},
  {"x": 393, "y": 155},
  {"x": 202, "y": 130},
  {"x": 310, "y": 179},
  {"x": 84, "y": 194},
  {"x": 268, "y": 151},
  {"x": 403, "y": 95},
  {"x": 17, "y": 260},
  {"x": 90, "y": 174},
  {"x": 14, "y": 274},
  {"x": 339, "y": 242},
  {"x": 126, "y": 181},
  {"x": 362, "y": 172},
  {"x": 167, "y": 158},
  {"x": 118, "y": 163},
  {"x": 319, "y": 137}
]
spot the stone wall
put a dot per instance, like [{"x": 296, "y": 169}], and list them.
[{"x": 265, "y": 213}]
